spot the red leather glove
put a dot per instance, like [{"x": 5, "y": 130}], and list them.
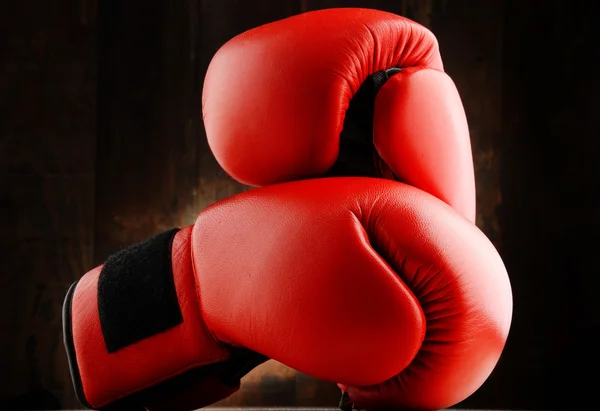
[
  {"x": 339, "y": 92},
  {"x": 362, "y": 92},
  {"x": 350, "y": 279}
]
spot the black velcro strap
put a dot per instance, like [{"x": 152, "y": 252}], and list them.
[{"x": 136, "y": 292}]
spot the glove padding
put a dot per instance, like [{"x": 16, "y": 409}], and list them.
[
  {"x": 367, "y": 282},
  {"x": 339, "y": 92}
]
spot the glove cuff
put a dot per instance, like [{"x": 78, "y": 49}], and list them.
[{"x": 135, "y": 322}]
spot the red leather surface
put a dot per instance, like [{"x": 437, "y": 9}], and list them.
[
  {"x": 275, "y": 97},
  {"x": 108, "y": 377},
  {"x": 358, "y": 281},
  {"x": 421, "y": 132}
]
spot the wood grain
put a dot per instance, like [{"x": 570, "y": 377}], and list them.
[
  {"x": 102, "y": 145},
  {"x": 153, "y": 167},
  {"x": 47, "y": 139},
  {"x": 549, "y": 216}
]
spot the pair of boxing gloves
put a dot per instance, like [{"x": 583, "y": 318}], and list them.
[{"x": 357, "y": 261}]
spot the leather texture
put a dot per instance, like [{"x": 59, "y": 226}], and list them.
[
  {"x": 275, "y": 98},
  {"x": 403, "y": 289},
  {"x": 420, "y": 131},
  {"x": 359, "y": 281}
]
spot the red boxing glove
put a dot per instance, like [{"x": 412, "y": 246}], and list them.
[
  {"x": 339, "y": 92},
  {"x": 363, "y": 92},
  {"x": 353, "y": 280}
]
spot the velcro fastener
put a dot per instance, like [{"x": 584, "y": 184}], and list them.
[{"x": 136, "y": 292}]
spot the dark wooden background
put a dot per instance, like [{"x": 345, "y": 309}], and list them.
[{"x": 102, "y": 144}]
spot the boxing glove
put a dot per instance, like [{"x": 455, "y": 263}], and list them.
[
  {"x": 253, "y": 278},
  {"x": 355, "y": 280},
  {"x": 339, "y": 92}
]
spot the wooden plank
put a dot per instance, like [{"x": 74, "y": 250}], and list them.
[
  {"x": 47, "y": 128},
  {"x": 145, "y": 162},
  {"x": 550, "y": 207},
  {"x": 150, "y": 124},
  {"x": 417, "y": 10}
]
